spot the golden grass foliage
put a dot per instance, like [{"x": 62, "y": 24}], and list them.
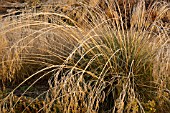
[{"x": 91, "y": 55}]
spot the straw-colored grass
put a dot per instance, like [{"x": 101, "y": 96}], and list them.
[{"x": 104, "y": 57}]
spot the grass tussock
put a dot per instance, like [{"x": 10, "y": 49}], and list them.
[{"x": 97, "y": 56}]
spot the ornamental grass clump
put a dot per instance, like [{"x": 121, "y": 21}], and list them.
[{"x": 109, "y": 64}]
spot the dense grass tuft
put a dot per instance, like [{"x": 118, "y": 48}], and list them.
[{"x": 104, "y": 56}]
